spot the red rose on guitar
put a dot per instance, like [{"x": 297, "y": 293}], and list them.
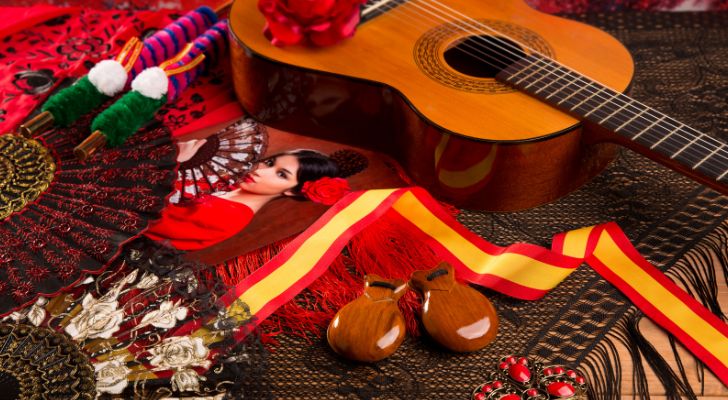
[
  {"x": 326, "y": 190},
  {"x": 322, "y": 22}
]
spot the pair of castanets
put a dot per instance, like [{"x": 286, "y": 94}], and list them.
[{"x": 372, "y": 327}]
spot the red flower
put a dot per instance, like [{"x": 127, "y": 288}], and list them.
[
  {"x": 322, "y": 22},
  {"x": 326, "y": 190}
]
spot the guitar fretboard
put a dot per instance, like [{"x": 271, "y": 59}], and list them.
[{"x": 583, "y": 97}]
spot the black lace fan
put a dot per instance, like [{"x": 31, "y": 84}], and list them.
[
  {"x": 62, "y": 219},
  {"x": 225, "y": 156}
]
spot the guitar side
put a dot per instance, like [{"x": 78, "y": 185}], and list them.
[{"x": 493, "y": 149}]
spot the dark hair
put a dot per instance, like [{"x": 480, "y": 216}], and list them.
[{"x": 312, "y": 165}]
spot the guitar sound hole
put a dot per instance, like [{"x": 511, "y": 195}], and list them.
[{"x": 482, "y": 56}]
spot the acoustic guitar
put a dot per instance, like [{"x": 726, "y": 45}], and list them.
[{"x": 488, "y": 104}]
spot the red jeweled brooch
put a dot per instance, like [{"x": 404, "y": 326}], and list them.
[{"x": 520, "y": 378}]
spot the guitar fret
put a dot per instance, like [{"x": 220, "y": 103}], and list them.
[
  {"x": 551, "y": 74},
  {"x": 586, "y": 99},
  {"x": 529, "y": 75},
  {"x": 666, "y": 136},
  {"x": 567, "y": 85},
  {"x": 526, "y": 68},
  {"x": 571, "y": 95},
  {"x": 687, "y": 145},
  {"x": 629, "y": 102},
  {"x": 722, "y": 175},
  {"x": 549, "y": 84},
  {"x": 708, "y": 156},
  {"x": 600, "y": 106},
  {"x": 635, "y": 117},
  {"x": 537, "y": 76},
  {"x": 536, "y": 81},
  {"x": 561, "y": 75}
]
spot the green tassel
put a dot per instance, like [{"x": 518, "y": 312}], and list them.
[
  {"x": 74, "y": 101},
  {"x": 126, "y": 116}
]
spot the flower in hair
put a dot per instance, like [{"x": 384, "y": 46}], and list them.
[
  {"x": 322, "y": 22},
  {"x": 326, "y": 190}
]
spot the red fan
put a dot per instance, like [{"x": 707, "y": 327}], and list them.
[
  {"x": 61, "y": 219},
  {"x": 225, "y": 156}
]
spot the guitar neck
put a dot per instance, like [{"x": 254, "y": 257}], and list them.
[{"x": 642, "y": 128}]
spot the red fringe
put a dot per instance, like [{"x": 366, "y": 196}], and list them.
[
  {"x": 233, "y": 271},
  {"x": 387, "y": 248}
]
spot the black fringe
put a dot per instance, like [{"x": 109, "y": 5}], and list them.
[
  {"x": 696, "y": 272},
  {"x": 676, "y": 388},
  {"x": 699, "y": 368},
  {"x": 603, "y": 369}
]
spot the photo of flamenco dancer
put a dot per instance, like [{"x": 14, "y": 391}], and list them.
[{"x": 246, "y": 186}]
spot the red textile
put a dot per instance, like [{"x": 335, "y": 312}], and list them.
[
  {"x": 43, "y": 46},
  {"x": 201, "y": 223}
]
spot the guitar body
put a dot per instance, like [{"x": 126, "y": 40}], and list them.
[{"x": 469, "y": 139}]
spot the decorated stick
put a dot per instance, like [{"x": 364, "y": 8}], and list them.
[
  {"x": 109, "y": 77},
  {"x": 105, "y": 80},
  {"x": 151, "y": 89},
  {"x": 167, "y": 42}
]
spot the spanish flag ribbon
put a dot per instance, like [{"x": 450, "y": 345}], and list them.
[{"x": 521, "y": 270}]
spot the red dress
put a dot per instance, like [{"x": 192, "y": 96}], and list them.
[{"x": 202, "y": 223}]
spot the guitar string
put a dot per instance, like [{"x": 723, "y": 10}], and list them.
[
  {"x": 580, "y": 77},
  {"x": 680, "y": 150}
]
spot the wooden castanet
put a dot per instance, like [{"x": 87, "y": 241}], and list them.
[
  {"x": 371, "y": 327},
  {"x": 457, "y": 316}
]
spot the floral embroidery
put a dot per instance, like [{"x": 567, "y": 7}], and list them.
[
  {"x": 111, "y": 376},
  {"x": 166, "y": 316},
  {"x": 179, "y": 352},
  {"x": 186, "y": 380},
  {"x": 77, "y": 47},
  {"x": 99, "y": 318}
]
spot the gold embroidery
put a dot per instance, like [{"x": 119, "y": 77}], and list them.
[
  {"x": 38, "y": 363},
  {"x": 26, "y": 171}
]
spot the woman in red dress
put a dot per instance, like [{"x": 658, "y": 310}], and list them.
[{"x": 212, "y": 219}]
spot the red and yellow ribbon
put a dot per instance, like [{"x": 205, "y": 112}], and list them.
[{"x": 520, "y": 270}]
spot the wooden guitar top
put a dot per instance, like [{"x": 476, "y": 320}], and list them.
[{"x": 404, "y": 49}]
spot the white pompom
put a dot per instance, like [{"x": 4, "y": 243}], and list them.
[
  {"x": 108, "y": 77},
  {"x": 152, "y": 83}
]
